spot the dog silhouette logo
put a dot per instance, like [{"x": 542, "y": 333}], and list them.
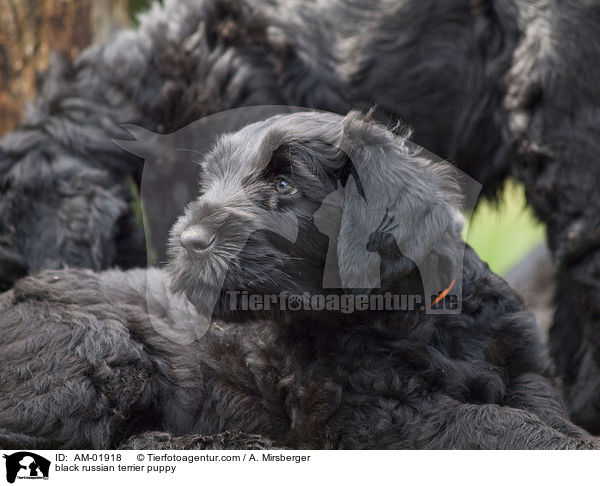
[
  {"x": 26, "y": 465},
  {"x": 393, "y": 218}
]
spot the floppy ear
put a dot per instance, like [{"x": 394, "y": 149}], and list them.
[{"x": 420, "y": 198}]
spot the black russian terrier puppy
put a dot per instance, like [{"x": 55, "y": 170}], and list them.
[
  {"x": 89, "y": 360},
  {"x": 497, "y": 86}
]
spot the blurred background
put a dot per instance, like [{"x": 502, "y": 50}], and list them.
[
  {"x": 31, "y": 29},
  {"x": 503, "y": 232}
]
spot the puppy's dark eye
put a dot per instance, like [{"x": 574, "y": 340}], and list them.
[{"x": 284, "y": 187}]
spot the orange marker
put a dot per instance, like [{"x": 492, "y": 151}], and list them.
[{"x": 443, "y": 293}]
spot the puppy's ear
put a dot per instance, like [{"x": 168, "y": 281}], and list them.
[{"x": 402, "y": 198}]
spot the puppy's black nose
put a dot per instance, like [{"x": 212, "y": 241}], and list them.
[{"x": 196, "y": 238}]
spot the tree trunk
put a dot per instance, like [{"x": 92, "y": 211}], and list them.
[{"x": 31, "y": 29}]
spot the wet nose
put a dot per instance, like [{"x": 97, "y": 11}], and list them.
[{"x": 196, "y": 238}]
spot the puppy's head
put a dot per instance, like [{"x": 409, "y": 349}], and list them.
[{"x": 313, "y": 204}]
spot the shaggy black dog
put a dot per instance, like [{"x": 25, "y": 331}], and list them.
[
  {"x": 498, "y": 86},
  {"x": 86, "y": 360}
]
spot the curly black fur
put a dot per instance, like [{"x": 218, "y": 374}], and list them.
[
  {"x": 498, "y": 86},
  {"x": 225, "y": 440},
  {"x": 86, "y": 363}
]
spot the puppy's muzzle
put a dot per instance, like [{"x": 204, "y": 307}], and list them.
[{"x": 197, "y": 238}]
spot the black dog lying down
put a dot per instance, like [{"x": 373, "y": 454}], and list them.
[
  {"x": 86, "y": 363},
  {"x": 499, "y": 87}
]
